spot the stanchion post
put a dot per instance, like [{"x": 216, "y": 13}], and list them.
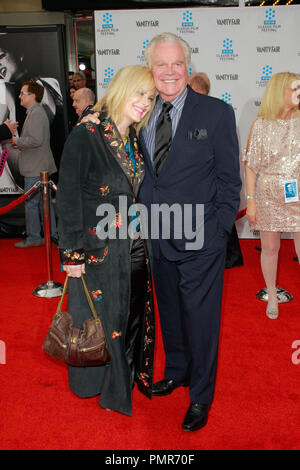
[
  {"x": 46, "y": 217},
  {"x": 49, "y": 288}
]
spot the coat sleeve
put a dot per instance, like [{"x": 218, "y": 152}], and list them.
[
  {"x": 4, "y": 132},
  {"x": 226, "y": 150},
  {"x": 72, "y": 174},
  {"x": 34, "y": 133}
]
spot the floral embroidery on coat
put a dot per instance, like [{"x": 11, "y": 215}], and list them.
[
  {"x": 116, "y": 144},
  {"x": 96, "y": 294},
  {"x": 116, "y": 334},
  {"x": 94, "y": 260},
  {"x": 117, "y": 221},
  {"x": 89, "y": 125},
  {"x": 144, "y": 378},
  {"x": 147, "y": 338},
  {"x": 72, "y": 256},
  {"x": 104, "y": 190}
]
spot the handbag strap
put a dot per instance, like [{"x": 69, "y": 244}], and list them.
[{"x": 90, "y": 302}]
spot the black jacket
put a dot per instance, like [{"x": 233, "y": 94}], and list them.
[{"x": 4, "y": 132}]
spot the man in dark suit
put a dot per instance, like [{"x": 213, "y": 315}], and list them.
[{"x": 199, "y": 169}]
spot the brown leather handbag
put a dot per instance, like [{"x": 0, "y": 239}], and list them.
[{"x": 85, "y": 346}]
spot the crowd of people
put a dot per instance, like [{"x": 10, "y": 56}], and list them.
[
  {"x": 157, "y": 137},
  {"x": 80, "y": 98}
]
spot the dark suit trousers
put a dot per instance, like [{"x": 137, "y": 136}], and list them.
[{"x": 189, "y": 295}]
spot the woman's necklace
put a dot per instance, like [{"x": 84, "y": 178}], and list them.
[
  {"x": 129, "y": 150},
  {"x": 125, "y": 139}
]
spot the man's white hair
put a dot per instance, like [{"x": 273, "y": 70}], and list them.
[{"x": 168, "y": 37}]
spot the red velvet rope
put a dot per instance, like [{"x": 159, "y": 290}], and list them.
[
  {"x": 18, "y": 201},
  {"x": 240, "y": 214},
  {"x": 22, "y": 198}
]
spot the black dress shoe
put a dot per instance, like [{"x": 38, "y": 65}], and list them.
[
  {"x": 165, "y": 387},
  {"x": 196, "y": 417}
]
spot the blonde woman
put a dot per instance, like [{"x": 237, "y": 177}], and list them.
[
  {"x": 102, "y": 170},
  {"x": 272, "y": 160}
]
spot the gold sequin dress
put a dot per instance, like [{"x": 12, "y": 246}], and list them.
[{"x": 274, "y": 155}]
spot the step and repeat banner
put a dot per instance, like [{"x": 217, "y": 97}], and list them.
[{"x": 239, "y": 48}]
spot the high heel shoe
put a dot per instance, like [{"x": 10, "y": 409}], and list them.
[{"x": 272, "y": 313}]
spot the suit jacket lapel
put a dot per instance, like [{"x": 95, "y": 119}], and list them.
[{"x": 186, "y": 117}]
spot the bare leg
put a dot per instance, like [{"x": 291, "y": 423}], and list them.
[
  {"x": 297, "y": 244},
  {"x": 270, "y": 244}
]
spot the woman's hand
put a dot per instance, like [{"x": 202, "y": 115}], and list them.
[
  {"x": 74, "y": 270},
  {"x": 251, "y": 211},
  {"x": 90, "y": 118}
]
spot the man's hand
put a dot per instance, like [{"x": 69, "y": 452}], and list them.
[{"x": 12, "y": 126}]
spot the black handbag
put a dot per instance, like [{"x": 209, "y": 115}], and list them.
[{"x": 85, "y": 346}]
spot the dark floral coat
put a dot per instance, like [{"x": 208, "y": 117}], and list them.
[{"x": 95, "y": 170}]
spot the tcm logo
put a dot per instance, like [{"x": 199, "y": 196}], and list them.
[
  {"x": 144, "y": 46},
  {"x": 227, "y": 53},
  {"x": 108, "y": 74},
  {"x": 107, "y": 21},
  {"x": 187, "y": 19},
  {"x": 270, "y": 16},
  {"x": 226, "y": 97},
  {"x": 266, "y": 73},
  {"x": 227, "y": 46},
  {"x": 141, "y": 55},
  {"x": 2, "y": 352}
]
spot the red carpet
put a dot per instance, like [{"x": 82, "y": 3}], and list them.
[{"x": 257, "y": 399}]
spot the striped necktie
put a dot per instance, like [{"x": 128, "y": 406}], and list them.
[{"x": 163, "y": 137}]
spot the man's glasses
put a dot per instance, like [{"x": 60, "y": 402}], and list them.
[{"x": 25, "y": 93}]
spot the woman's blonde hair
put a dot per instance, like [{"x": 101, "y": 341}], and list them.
[
  {"x": 272, "y": 103},
  {"x": 128, "y": 81}
]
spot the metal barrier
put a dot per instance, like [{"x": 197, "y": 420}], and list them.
[{"x": 50, "y": 288}]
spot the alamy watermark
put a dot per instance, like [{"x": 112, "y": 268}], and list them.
[
  {"x": 176, "y": 221},
  {"x": 296, "y": 354},
  {"x": 2, "y": 352}
]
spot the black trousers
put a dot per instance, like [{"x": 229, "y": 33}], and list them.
[
  {"x": 137, "y": 304},
  {"x": 189, "y": 295}
]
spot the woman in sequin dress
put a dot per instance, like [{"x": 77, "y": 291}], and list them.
[{"x": 272, "y": 161}]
